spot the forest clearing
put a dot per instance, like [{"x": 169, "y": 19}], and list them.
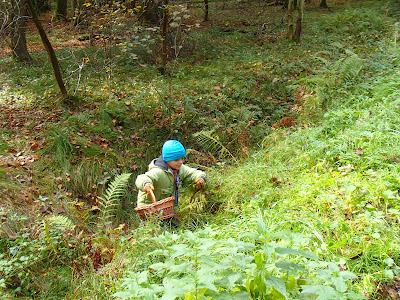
[{"x": 290, "y": 108}]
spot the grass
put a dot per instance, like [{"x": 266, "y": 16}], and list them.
[{"x": 328, "y": 186}]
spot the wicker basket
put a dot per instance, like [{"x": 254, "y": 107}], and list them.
[{"x": 160, "y": 210}]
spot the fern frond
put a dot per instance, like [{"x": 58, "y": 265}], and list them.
[
  {"x": 350, "y": 68},
  {"x": 212, "y": 144},
  {"x": 109, "y": 201},
  {"x": 60, "y": 221}
]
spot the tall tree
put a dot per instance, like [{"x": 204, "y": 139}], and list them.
[
  {"x": 291, "y": 33},
  {"x": 61, "y": 9},
  {"x": 41, "y": 5},
  {"x": 164, "y": 36},
  {"x": 290, "y": 19},
  {"x": 323, "y": 4},
  {"x": 205, "y": 10},
  {"x": 299, "y": 22},
  {"x": 18, "y": 20},
  {"x": 151, "y": 11},
  {"x": 49, "y": 49}
]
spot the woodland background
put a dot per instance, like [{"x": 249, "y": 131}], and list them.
[{"x": 290, "y": 106}]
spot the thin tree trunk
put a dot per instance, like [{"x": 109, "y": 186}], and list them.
[
  {"x": 205, "y": 10},
  {"x": 164, "y": 33},
  {"x": 49, "y": 49},
  {"x": 41, "y": 5},
  {"x": 61, "y": 10},
  {"x": 18, "y": 31},
  {"x": 300, "y": 10},
  {"x": 323, "y": 4},
  {"x": 290, "y": 19}
]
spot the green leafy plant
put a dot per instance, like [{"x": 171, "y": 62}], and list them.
[
  {"x": 331, "y": 76},
  {"x": 211, "y": 141},
  {"x": 199, "y": 265},
  {"x": 109, "y": 201}
]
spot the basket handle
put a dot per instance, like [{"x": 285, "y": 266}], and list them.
[{"x": 153, "y": 198}]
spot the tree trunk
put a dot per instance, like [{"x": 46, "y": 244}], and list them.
[
  {"x": 164, "y": 36},
  {"x": 18, "y": 31},
  {"x": 290, "y": 20},
  {"x": 41, "y": 5},
  {"x": 49, "y": 49},
  {"x": 300, "y": 10},
  {"x": 61, "y": 10},
  {"x": 205, "y": 10},
  {"x": 323, "y": 4},
  {"x": 151, "y": 11},
  {"x": 78, "y": 14}
]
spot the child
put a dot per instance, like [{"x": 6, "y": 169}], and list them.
[{"x": 165, "y": 174}]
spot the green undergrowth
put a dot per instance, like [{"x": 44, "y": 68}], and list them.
[
  {"x": 306, "y": 212},
  {"x": 333, "y": 186}
]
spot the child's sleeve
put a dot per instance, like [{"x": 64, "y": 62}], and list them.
[
  {"x": 191, "y": 174},
  {"x": 150, "y": 176}
]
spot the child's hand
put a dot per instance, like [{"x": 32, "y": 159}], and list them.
[
  {"x": 200, "y": 183},
  {"x": 147, "y": 187}
]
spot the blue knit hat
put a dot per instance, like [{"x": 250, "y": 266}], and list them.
[{"x": 172, "y": 150}]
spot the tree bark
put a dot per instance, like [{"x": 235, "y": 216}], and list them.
[
  {"x": 41, "y": 5},
  {"x": 164, "y": 36},
  {"x": 205, "y": 10},
  {"x": 61, "y": 10},
  {"x": 18, "y": 31},
  {"x": 290, "y": 20},
  {"x": 151, "y": 11},
  {"x": 323, "y": 4},
  {"x": 300, "y": 10},
  {"x": 49, "y": 49}
]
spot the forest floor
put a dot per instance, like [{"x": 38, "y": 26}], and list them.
[{"x": 299, "y": 140}]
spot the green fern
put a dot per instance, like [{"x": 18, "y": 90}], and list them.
[
  {"x": 60, "y": 221},
  {"x": 332, "y": 75},
  {"x": 211, "y": 142},
  {"x": 109, "y": 201},
  {"x": 335, "y": 74}
]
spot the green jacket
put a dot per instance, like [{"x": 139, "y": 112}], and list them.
[{"x": 163, "y": 180}]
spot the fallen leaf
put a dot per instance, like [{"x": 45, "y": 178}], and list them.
[{"x": 359, "y": 151}]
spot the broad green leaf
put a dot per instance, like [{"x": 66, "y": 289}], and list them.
[
  {"x": 350, "y": 187},
  {"x": 177, "y": 287},
  {"x": 241, "y": 295},
  {"x": 252, "y": 235},
  {"x": 322, "y": 291},
  {"x": 389, "y": 274},
  {"x": 258, "y": 260},
  {"x": 158, "y": 266},
  {"x": 234, "y": 277},
  {"x": 354, "y": 296},
  {"x": 290, "y": 283},
  {"x": 207, "y": 244},
  {"x": 346, "y": 275},
  {"x": 142, "y": 278},
  {"x": 278, "y": 284},
  {"x": 227, "y": 250},
  {"x": 180, "y": 250},
  {"x": 340, "y": 284},
  {"x": 376, "y": 235},
  {"x": 289, "y": 266},
  {"x": 262, "y": 228},
  {"x": 159, "y": 252},
  {"x": 389, "y": 261},
  {"x": 305, "y": 253},
  {"x": 124, "y": 295},
  {"x": 338, "y": 244},
  {"x": 184, "y": 267},
  {"x": 191, "y": 237}
]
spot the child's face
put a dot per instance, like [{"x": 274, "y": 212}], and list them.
[{"x": 176, "y": 164}]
